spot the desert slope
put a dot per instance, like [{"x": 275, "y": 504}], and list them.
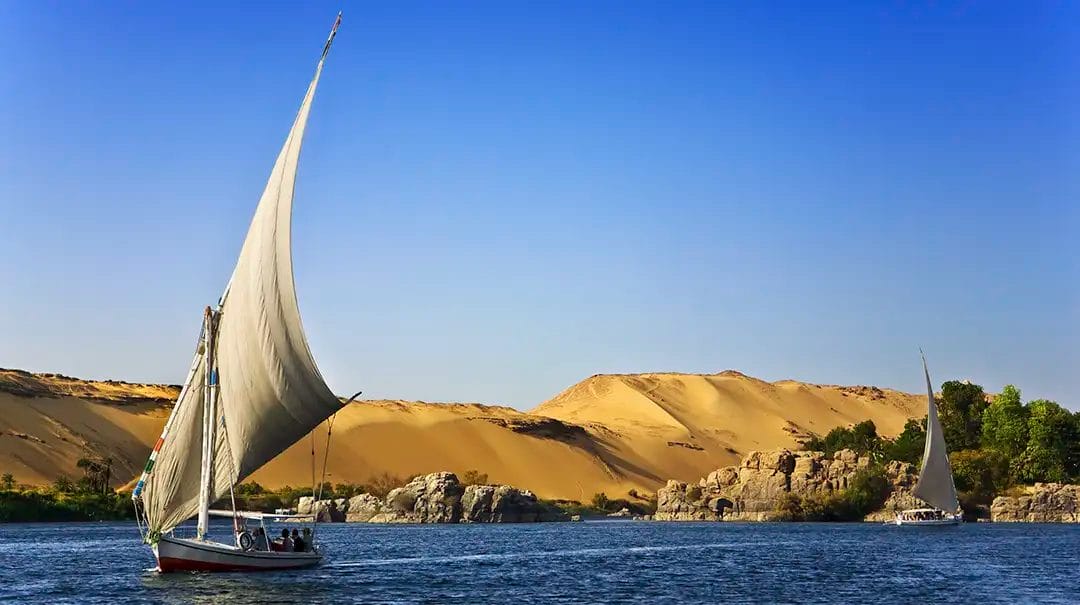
[
  {"x": 682, "y": 424},
  {"x": 48, "y": 422},
  {"x": 608, "y": 433}
]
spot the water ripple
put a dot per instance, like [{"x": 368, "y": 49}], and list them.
[{"x": 573, "y": 562}]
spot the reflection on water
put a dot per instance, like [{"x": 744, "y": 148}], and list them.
[{"x": 573, "y": 562}]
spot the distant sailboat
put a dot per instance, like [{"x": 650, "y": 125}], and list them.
[
  {"x": 935, "y": 485},
  {"x": 252, "y": 391}
]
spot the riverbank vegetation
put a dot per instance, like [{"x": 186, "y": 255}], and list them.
[
  {"x": 601, "y": 505},
  {"x": 88, "y": 499},
  {"x": 995, "y": 443},
  {"x": 865, "y": 494}
]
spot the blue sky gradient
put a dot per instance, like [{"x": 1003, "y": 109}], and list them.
[{"x": 498, "y": 199}]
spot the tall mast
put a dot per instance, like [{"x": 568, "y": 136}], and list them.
[
  {"x": 209, "y": 432},
  {"x": 282, "y": 395}
]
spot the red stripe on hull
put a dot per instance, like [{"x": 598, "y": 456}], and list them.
[{"x": 169, "y": 564}]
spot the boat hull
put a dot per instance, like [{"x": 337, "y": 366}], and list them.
[
  {"x": 179, "y": 554},
  {"x": 929, "y": 522},
  {"x": 945, "y": 520}
]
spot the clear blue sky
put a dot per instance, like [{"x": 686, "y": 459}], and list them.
[{"x": 499, "y": 199}]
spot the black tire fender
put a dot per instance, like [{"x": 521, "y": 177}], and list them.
[{"x": 245, "y": 540}]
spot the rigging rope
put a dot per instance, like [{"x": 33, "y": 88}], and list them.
[
  {"x": 326, "y": 457},
  {"x": 322, "y": 480}
]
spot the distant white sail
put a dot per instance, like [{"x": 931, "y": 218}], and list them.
[
  {"x": 935, "y": 485},
  {"x": 270, "y": 391}
]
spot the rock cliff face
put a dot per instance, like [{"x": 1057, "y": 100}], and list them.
[
  {"x": 903, "y": 476},
  {"x": 1042, "y": 503},
  {"x": 752, "y": 490},
  {"x": 436, "y": 498}
]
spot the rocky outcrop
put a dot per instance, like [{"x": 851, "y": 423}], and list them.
[
  {"x": 752, "y": 491},
  {"x": 436, "y": 498},
  {"x": 362, "y": 508},
  {"x": 331, "y": 511},
  {"x": 1041, "y": 503},
  {"x": 503, "y": 504}
]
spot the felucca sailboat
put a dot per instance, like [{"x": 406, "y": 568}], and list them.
[
  {"x": 252, "y": 391},
  {"x": 935, "y": 485}
]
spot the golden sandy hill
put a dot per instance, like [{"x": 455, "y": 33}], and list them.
[
  {"x": 679, "y": 425},
  {"x": 49, "y": 421},
  {"x": 609, "y": 433}
]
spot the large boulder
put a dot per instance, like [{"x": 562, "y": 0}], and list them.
[
  {"x": 440, "y": 498},
  {"x": 325, "y": 510},
  {"x": 678, "y": 501},
  {"x": 434, "y": 498},
  {"x": 513, "y": 505},
  {"x": 362, "y": 508},
  {"x": 476, "y": 504},
  {"x": 503, "y": 504},
  {"x": 1041, "y": 503}
]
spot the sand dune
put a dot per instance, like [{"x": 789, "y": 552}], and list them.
[
  {"x": 609, "y": 433},
  {"x": 677, "y": 425}
]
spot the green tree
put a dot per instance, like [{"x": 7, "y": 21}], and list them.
[
  {"x": 1049, "y": 455},
  {"x": 250, "y": 488},
  {"x": 346, "y": 490},
  {"x": 960, "y": 409},
  {"x": 1005, "y": 424},
  {"x": 600, "y": 501},
  {"x": 63, "y": 485},
  {"x": 96, "y": 474},
  {"x": 1074, "y": 450},
  {"x": 908, "y": 445},
  {"x": 862, "y": 438},
  {"x": 980, "y": 474},
  {"x": 865, "y": 439},
  {"x": 867, "y": 491},
  {"x": 7, "y": 482}
]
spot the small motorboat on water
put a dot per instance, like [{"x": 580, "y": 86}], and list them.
[
  {"x": 935, "y": 485},
  {"x": 253, "y": 550},
  {"x": 252, "y": 391}
]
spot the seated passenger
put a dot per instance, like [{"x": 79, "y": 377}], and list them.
[
  {"x": 308, "y": 542},
  {"x": 260, "y": 539},
  {"x": 284, "y": 543},
  {"x": 298, "y": 542}
]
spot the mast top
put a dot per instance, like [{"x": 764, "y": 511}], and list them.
[{"x": 330, "y": 39}]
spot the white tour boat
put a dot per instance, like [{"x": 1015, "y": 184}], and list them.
[{"x": 935, "y": 485}]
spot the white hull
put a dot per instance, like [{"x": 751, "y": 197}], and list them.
[
  {"x": 943, "y": 520},
  {"x": 179, "y": 554},
  {"x": 930, "y": 522}
]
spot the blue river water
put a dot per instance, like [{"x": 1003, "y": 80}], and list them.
[{"x": 599, "y": 562}]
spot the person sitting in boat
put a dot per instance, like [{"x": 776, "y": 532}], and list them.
[
  {"x": 261, "y": 543},
  {"x": 308, "y": 544},
  {"x": 284, "y": 543},
  {"x": 298, "y": 542}
]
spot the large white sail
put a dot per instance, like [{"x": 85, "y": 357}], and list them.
[
  {"x": 935, "y": 485},
  {"x": 270, "y": 391}
]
